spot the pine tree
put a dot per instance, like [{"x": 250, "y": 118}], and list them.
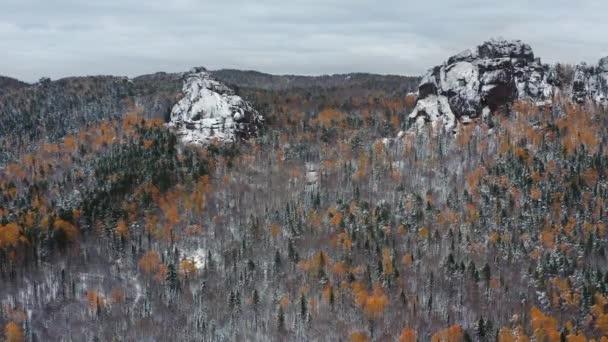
[
  {"x": 277, "y": 262},
  {"x": 303, "y": 307},
  {"x": 171, "y": 279},
  {"x": 481, "y": 328},
  {"x": 255, "y": 301},
  {"x": 486, "y": 273},
  {"x": 281, "y": 320}
]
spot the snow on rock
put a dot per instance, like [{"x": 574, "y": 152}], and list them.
[
  {"x": 211, "y": 111},
  {"x": 436, "y": 109},
  {"x": 591, "y": 82},
  {"x": 479, "y": 81}
]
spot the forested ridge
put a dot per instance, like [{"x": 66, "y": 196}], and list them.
[{"x": 325, "y": 227}]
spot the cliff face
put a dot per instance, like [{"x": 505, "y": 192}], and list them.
[{"x": 479, "y": 81}]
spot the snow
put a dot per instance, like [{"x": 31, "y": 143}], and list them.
[
  {"x": 469, "y": 83},
  {"x": 199, "y": 256},
  {"x": 211, "y": 111},
  {"x": 591, "y": 82},
  {"x": 435, "y": 108}
]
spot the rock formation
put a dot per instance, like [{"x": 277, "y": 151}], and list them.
[
  {"x": 591, "y": 82},
  {"x": 212, "y": 111},
  {"x": 478, "y": 81}
]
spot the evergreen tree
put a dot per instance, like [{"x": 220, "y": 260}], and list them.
[
  {"x": 281, "y": 319},
  {"x": 171, "y": 280}
]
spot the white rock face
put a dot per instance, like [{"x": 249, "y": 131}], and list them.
[
  {"x": 591, "y": 82},
  {"x": 436, "y": 109},
  {"x": 211, "y": 111},
  {"x": 479, "y": 81}
]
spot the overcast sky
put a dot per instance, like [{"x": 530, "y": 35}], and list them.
[{"x": 58, "y": 38}]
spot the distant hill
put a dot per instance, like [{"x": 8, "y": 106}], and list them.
[
  {"x": 50, "y": 109},
  {"x": 8, "y": 83},
  {"x": 255, "y": 79}
]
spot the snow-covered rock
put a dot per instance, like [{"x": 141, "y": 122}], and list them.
[
  {"x": 211, "y": 111},
  {"x": 591, "y": 82},
  {"x": 479, "y": 81}
]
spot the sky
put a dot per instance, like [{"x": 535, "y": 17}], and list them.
[{"x": 60, "y": 38}]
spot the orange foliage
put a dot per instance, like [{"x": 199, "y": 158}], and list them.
[
  {"x": 359, "y": 336},
  {"x": 407, "y": 260},
  {"x": 94, "y": 300},
  {"x": 387, "y": 261},
  {"x": 187, "y": 267},
  {"x": 548, "y": 239},
  {"x": 506, "y": 335},
  {"x": 578, "y": 128},
  {"x": 373, "y": 304},
  {"x": 149, "y": 262},
  {"x": 410, "y": 100},
  {"x": 70, "y": 143},
  {"x": 601, "y": 317},
  {"x": 578, "y": 337},
  {"x": 331, "y": 117},
  {"x": 535, "y": 193},
  {"x": 314, "y": 263},
  {"x": 335, "y": 216},
  {"x": 408, "y": 335},
  {"x": 423, "y": 233},
  {"x": 450, "y": 334},
  {"x": 284, "y": 301},
  {"x": 9, "y": 235},
  {"x": 13, "y": 332},
  {"x": 117, "y": 295},
  {"x": 122, "y": 229},
  {"x": 339, "y": 269},
  {"x": 68, "y": 229},
  {"x": 161, "y": 273},
  {"x": 543, "y": 326}
]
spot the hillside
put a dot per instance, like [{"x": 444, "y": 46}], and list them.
[{"x": 327, "y": 209}]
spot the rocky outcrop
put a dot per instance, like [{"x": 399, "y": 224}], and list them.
[
  {"x": 211, "y": 111},
  {"x": 591, "y": 82},
  {"x": 477, "y": 82}
]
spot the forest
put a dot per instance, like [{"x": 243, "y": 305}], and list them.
[{"x": 340, "y": 221}]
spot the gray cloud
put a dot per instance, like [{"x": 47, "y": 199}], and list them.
[{"x": 60, "y": 38}]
